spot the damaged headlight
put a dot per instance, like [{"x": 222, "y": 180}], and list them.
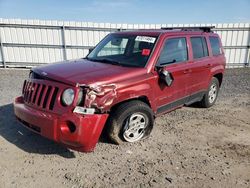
[{"x": 68, "y": 97}]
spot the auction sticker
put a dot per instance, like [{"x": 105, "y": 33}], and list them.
[{"x": 145, "y": 39}]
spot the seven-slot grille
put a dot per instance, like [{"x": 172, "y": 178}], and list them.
[{"x": 38, "y": 94}]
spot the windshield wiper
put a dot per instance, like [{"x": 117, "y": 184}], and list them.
[
  {"x": 113, "y": 62},
  {"x": 104, "y": 60}
]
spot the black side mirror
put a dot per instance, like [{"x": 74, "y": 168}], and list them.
[
  {"x": 91, "y": 49},
  {"x": 166, "y": 77}
]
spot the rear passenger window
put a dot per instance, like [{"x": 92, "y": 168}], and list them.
[
  {"x": 215, "y": 45},
  {"x": 174, "y": 50},
  {"x": 199, "y": 46}
]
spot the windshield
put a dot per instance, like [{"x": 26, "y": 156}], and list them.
[{"x": 124, "y": 50}]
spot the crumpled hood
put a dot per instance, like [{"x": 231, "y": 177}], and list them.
[{"x": 85, "y": 72}]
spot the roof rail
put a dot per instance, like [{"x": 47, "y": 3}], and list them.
[{"x": 207, "y": 29}]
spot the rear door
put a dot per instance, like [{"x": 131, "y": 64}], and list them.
[
  {"x": 200, "y": 65},
  {"x": 174, "y": 59}
]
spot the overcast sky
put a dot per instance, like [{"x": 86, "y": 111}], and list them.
[{"x": 129, "y": 11}]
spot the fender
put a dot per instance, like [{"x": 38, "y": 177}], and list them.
[
  {"x": 216, "y": 70},
  {"x": 137, "y": 91}
]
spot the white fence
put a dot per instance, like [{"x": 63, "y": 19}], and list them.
[{"x": 25, "y": 43}]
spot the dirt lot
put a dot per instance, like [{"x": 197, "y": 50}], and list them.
[{"x": 189, "y": 147}]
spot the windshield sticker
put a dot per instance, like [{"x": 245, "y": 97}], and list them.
[
  {"x": 145, "y": 39},
  {"x": 145, "y": 52}
]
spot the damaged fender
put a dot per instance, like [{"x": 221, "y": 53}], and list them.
[{"x": 100, "y": 96}]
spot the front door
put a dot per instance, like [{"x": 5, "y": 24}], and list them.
[{"x": 173, "y": 58}]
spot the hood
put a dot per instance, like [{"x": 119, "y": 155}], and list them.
[{"x": 85, "y": 72}]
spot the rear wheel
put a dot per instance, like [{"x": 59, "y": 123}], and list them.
[
  {"x": 130, "y": 122},
  {"x": 211, "y": 95}
]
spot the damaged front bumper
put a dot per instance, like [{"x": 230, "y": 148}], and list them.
[{"x": 76, "y": 131}]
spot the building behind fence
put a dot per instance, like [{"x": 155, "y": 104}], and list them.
[{"x": 25, "y": 43}]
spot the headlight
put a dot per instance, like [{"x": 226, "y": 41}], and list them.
[{"x": 68, "y": 97}]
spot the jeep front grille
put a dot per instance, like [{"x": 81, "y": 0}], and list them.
[{"x": 39, "y": 94}]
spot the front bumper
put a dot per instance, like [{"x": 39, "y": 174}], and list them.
[{"x": 78, "y": 132}]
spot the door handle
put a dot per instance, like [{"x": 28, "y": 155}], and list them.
[{"x": 187, "y": 71}]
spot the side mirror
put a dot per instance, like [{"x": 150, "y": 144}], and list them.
[
  {"x": 166, "y": 77},
  {"x": 91, "y": 49}
]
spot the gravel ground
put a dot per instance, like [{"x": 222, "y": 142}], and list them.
[{"x": 189, "y": 147}]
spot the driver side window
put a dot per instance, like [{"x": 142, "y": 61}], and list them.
[{"x": 174, "y": 50}]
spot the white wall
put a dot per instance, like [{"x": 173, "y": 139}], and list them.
[{"x": 33, "y": 42}]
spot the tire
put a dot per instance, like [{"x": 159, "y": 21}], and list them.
[
  {"x": 211, "y": 95},
  {"x": 130, "y": 122}
]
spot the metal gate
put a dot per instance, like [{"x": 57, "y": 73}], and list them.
[{"x": 26, "y": 43}]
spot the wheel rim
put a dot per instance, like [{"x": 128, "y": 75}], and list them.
[
  {"x": 212, "y": 93},
  {"x": 135, "y": 126}
]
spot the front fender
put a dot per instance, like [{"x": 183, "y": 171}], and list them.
[{"x": 141, "y": 91}]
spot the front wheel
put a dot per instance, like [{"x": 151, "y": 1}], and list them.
[
  {"x": 130, "y": 122},
  {"x": 211, "y": 94}
]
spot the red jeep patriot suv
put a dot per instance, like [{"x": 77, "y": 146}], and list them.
[{"x": 127, "y": 80}]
